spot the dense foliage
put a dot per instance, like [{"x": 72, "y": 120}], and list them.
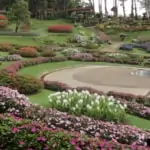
[{"x": 24, "y": 84}]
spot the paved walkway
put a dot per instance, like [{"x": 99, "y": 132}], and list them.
[{"x": 104, "y": 78}]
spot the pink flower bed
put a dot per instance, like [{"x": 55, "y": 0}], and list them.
[
  {"x": 20, "y": 133},
  {"x": 60, "y": 28},
  {"x": 12, "y": 102}
]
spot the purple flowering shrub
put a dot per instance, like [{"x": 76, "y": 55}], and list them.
[
  {"x": 17, "y": 133},
  {"x": 12, "y": 101}
]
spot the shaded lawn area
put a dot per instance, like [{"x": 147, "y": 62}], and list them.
[{"x": 42, "y": 97}]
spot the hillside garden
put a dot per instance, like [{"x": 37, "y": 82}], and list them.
[{"x": 38, "y": 114}]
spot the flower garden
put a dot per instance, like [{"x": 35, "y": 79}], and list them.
[{"x": 37, "y": 114}]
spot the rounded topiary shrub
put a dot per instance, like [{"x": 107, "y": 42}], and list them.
[
  {"x": 3, "y": 21},
  {"x": 60, "y": 28},
  {"x": 24, "y": 84},
  {"x": 28, "y": 52}
]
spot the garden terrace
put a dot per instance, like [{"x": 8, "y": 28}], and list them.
[{"x": 29, "y": 76}]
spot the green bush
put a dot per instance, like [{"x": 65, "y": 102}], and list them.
[
  {"x": 91, "y": 46},
  {"x": 48, "y": 54},
  {"x": 24, "y": 84}
]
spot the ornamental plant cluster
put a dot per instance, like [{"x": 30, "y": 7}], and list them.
[
  {"x": 25, "y": 134},
  {"x": 137, "y": 105},
  {"x": 10, "y": 58},
  {"x": 24, "y": 84},
  {"x": 28, "y": 52},
  {"x": 85, "y": 103},
  {"x": 3, "y": 21},
  {"x": 60, "y": 28},
  {"x": 18, "y": 105}
]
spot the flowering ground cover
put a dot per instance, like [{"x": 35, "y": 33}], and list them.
[
  {"x": 17, "y": 104},
  {"x": 37, "y": 71},
  {"x": 85, "y": 103}
]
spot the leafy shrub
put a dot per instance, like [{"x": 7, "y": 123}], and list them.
[
  {"x": 12, "y": 102},
  {"x": 84, "y": 103},
  {"x": 24, "y": 84},
  {"x": 48, "y": 54},
  {"x": 6, "y": 47},
  {"x": 91, "y": 45},
  {"x": 24, "y": 28},
  {"x": 60, "y": 28},
  {"x": 10, "y": 58},
  {"x": 28, "y": 52}
]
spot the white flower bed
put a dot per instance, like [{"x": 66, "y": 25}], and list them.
[
  {"x": 71, "y": 51},
  {"x": 84, "y": 103},
  {"x": 118, "y": 55}
]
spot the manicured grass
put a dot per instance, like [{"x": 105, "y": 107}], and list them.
[
  {"x": 41, "y": 98},
  {"x": 21, "y": 40},
  {"x": 139, "y": 122}
]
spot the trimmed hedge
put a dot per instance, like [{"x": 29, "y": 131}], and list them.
[
  {"x": 60, "y": 28},
  {"x": 24, "y": 84},
  {"x": 28, "y": 52},
  {"x": 18, "y": 34}
]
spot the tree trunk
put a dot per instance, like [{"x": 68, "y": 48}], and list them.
[
  {"x": 123, "y": 7},
  {"x": 116, "y": 5},
  {"x": 17, "y": 27},
  {"x": 100, "y": 7},
  {"x": 106, "y": 11},
  {"x": 135, "y": 5},
  {"x": 132, "y": 9}
]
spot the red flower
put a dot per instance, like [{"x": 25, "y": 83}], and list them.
[{"x": 3, "y": 17}]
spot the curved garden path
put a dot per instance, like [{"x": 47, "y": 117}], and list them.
[{"x": 103, "y": 78}]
